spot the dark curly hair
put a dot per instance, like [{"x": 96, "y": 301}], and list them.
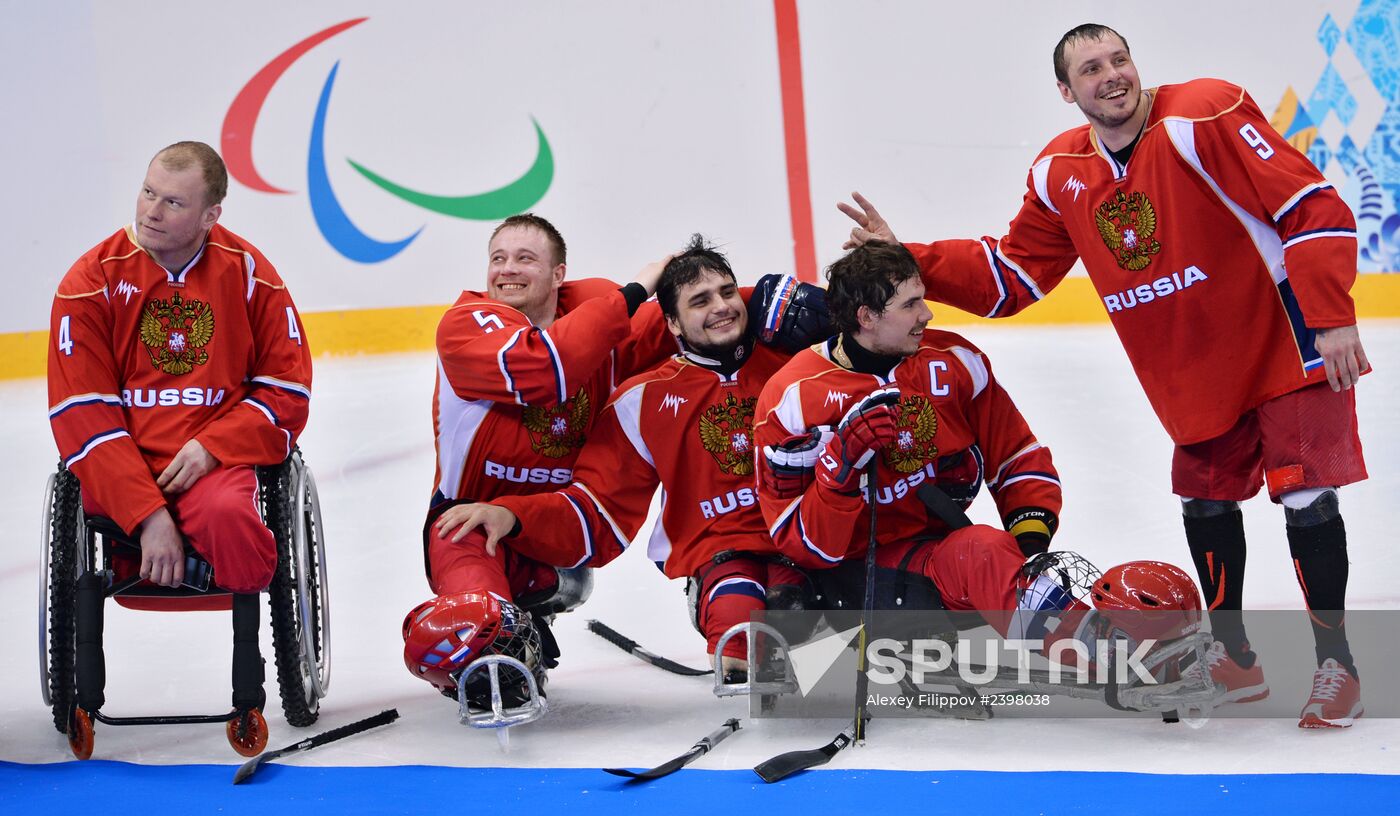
[
  {"x": 867, "y": 276},
  {"x": 698, "y": 257}
]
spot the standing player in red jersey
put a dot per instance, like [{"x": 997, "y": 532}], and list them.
[
  {"x": 686, "y": 425},
  {"x": 1224, "y": 261},
  {"x": 923, "y": 406},
  {"x": 176, "y": 364},
  {"x": 523, "y": 370}
]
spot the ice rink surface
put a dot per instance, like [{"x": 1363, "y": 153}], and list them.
[{"x": 370, "y": 443}]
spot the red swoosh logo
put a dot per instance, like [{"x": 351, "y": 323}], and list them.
[{"x": 242, "y": 116}]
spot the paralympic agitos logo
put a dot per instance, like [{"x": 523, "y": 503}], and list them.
[{"x": 331, "y": 219}]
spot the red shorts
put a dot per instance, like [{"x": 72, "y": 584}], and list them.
[
  {"x": 975, "y": 569},
  {"x": 1304, "y": 439},
  {"x": 732, "y": 591},
  {"x": 464, "y": 566},
  {"x": 219, "y": 518}
]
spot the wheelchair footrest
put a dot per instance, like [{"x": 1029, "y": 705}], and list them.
[{"x": 179, "y": 719}]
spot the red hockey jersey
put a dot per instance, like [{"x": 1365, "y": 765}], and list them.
[
  {"x": 514, "y": 403},
  {"x": 955, "y": 423},
  {"x": 684, "y": 426},
  {"x": 141, "y": 360},
  {"x": 1216, "y": 250}
]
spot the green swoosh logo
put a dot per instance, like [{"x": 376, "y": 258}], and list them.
[{"x": 516, "y": 197}]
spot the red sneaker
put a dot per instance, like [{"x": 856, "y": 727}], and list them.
[
  {"x": 1241, "y": 685},
  {"x": 1335, "y": 700}
]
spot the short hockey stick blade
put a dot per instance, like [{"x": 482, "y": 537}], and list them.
[
  {"x": 630, "y": 646},
  {"x": 251, "y": 766},
  {"x": 696, "y": 751},
  {"x": 784, "y": 765}
]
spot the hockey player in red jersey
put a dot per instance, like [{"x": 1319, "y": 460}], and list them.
[
  {"x": 522, "y": 372},
  {"x": 922, "y": 405},
  {"x": 686, "y": 425},
  {"x": 1224, "y": 260},
  {"x": 176, "y": 364}
]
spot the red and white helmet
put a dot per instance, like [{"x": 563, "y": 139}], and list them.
[
  {"x": 444, "y": 634},
  {"x": 1148, "y": 600}
]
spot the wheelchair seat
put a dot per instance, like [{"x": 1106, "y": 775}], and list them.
[{"x": 88, "y": 558}]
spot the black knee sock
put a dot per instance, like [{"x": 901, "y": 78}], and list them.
[
  {"x": 1320, "y": 562},
  {"x": 1217, "y": 548}
]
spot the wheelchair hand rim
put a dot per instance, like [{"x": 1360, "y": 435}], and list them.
[
  {"x": 317, "y": 670},
  {"x": 45, "y": 543}
]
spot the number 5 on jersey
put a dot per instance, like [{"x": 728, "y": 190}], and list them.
[{"x": 488, "y": 321}]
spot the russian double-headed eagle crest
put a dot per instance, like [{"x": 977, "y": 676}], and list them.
[
  {"x": 726, "y": 431},
  {"x": 175, "y": 333},
  {"x": 559, "y": 430},
  {"x": 915, "y": 424},
  {"x": 1126, "y": 223}
]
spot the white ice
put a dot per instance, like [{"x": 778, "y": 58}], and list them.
[{"x": 370, "y": 444}]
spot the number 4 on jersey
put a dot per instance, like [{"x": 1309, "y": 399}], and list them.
[
  {"x": 293, "y": 333},
  {"x": 65, "y": 336}
]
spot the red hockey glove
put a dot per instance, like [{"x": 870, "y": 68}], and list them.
[
  {"x": 865, "y": 429},
  {"x": 790, "y": 466}
]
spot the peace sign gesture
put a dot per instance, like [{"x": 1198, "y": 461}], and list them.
[{"x": 870, "y": 225}]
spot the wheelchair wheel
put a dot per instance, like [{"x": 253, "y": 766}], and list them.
[
  {"x": 298, "y": 594},
  {"x": 58, "y": 598},
  {"x": 247, "y": 733},
  {"x": 81, "y": 736}
]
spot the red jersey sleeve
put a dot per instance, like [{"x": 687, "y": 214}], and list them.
[
  {"x": 85, "y": 405},
  {"x": 998, "y": 278},
  {"x": 1279, "y": 189},
  {"x": 264, "y": 426},
  {"x": 490, "y": 351},
  {"x": 591, "y": 522},
  {"x": 815, "y": 528},
  {"x": 649, "y": 344}
]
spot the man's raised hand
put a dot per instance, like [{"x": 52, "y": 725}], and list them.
[{"x": 870, "y": 225}]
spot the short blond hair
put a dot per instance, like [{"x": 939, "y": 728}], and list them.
[{"x": 184, "y": 155}]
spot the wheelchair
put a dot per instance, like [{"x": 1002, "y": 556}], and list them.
[{"x": 86, "y": 559}]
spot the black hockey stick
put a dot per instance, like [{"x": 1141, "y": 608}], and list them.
[
  {"x": 696, "y": 751},
  {"x": 867, "y": 611},
  {"x": 251, "y": 766},
  {"x": 630, "y": 646},
  {"x": 785, "y": 765}
]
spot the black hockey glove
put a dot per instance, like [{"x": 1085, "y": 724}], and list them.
[{"x": 789, "y": 315}]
